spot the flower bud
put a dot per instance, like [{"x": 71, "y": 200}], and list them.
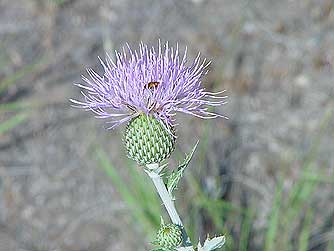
[{"x": 169, "y": 236}]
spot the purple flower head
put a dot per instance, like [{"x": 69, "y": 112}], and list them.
[{"x": 147, "y": 81}]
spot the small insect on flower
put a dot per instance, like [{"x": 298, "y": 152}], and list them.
[{"x": 152, "y": 85}]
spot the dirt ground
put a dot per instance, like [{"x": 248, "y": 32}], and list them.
[{"x": 274, "y": 58}]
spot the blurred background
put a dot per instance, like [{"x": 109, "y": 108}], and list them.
[{"x": 264, "y": 178}]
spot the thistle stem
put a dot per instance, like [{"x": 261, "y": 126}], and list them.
[
  {"x": 153, "y": 171},
  {"x": 165, "y": 197}
]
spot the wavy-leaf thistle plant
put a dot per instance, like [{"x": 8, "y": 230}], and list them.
[{"x": 144, "y": 89}]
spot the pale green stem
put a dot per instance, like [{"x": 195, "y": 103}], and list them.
[
  {"x": 164, "y": 195},
  {"x": 153, "y": 170}
]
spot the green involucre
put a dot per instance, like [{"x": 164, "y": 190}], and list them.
[
  {"x": 148, "y": 141},
  {"x": 169, "y": 236}
]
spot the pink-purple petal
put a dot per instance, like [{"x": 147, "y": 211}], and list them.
[{"x": 122, "y": 92}]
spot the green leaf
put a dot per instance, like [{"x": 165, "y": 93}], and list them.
[
  {"x": 12, "y": 79},
  {"x": 246, "y": 229},
  {"x": 211, "y": 244},
  {"x": 274, "y": 220},
  {"x": 12, "y": 122},
  {"x": 176, "y": 175},
  {"x": 306, "y": 231}
]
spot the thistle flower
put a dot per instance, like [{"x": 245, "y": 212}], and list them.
[
  {"x": 145, "y": 89},
  {"x": 150, "y": 83}
]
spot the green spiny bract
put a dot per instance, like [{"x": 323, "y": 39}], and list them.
[
  {"x": 169, "y": 236},
  {"x": 148, "y": 141}
]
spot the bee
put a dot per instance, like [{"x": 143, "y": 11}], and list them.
[{"x": 152, "y": 85}]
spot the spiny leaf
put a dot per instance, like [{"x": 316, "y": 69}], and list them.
[
  {"x": 211, "y": 244},
  {"x": 176, "y": 175}
]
